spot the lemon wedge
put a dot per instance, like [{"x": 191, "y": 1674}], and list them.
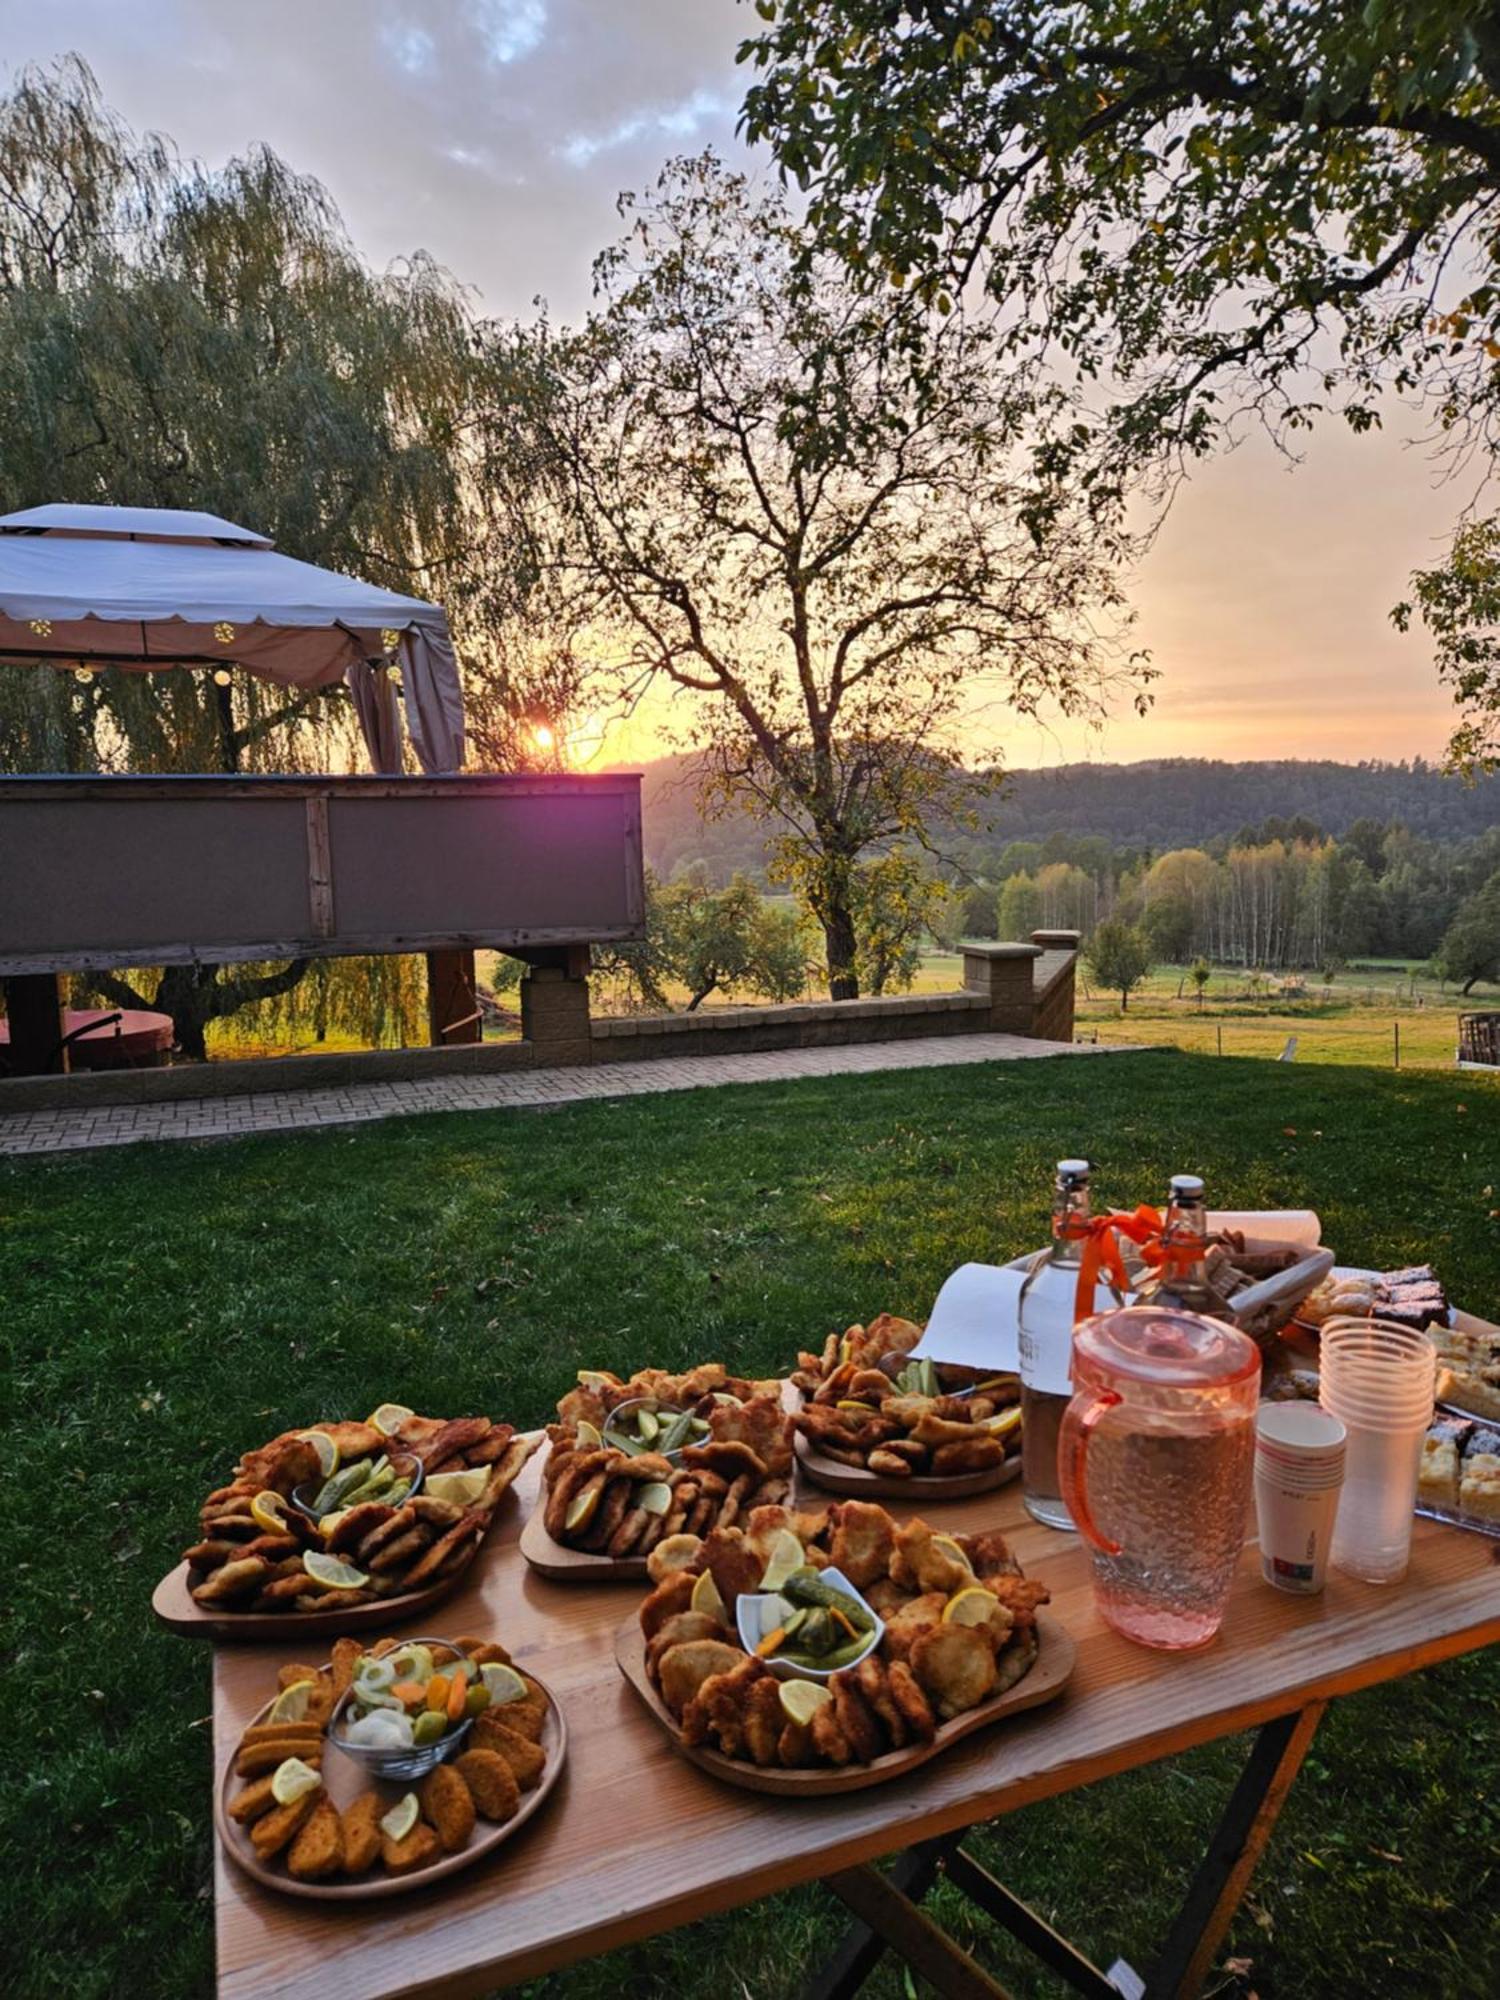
[
  {"x": 293, "y": 1780},
  {"x": 389, "y": 1418},
  {"x": 801, "y": 1700},
  {"x": 591, "y": 1378},
  {"x": 462, "y": 1488},
  {"x": 706, "y": 1598},
  {"x": 331, "y": 1572},
  {"x": 854, "y": 1403},
  {"x": 327, "y": 1450},
  {"x": 582, "y": 1509},
  {"x": 330, "y": 1521},
  {"x": 972, "y": 1606},
  {"x": 401, "y": 1818},
  {"x": 655, "y": 1496},
  {"x": 269, "y": 1509},
  {"x": 503, "y": 1682},
  {"x": 786, "y": 1558},
  {"x": 951, "y": 1548},
  {"x": 589, "y": 1438},
  {"x": 1004, "y": 1422},
  {"x": 291, "y": 1704}
]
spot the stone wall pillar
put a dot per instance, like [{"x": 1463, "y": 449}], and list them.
[
  {"x": 1003, "y": 973},
  {"x": 1056, "y": 980},
  {"x": 555, "y": 1005}
]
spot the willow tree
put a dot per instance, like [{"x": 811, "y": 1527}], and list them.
[
  {"x": 175, "y": 337},
  {"x": 1287, "y": 205},
  {"x": 838, "y": 547}
]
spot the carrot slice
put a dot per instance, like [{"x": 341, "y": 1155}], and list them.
[
  {"x": 437, "y": 1693},
  {"x": 458, "y": 1696}
]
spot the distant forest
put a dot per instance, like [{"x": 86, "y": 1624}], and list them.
[
  {"x": 1271, "y": 865},
  {"x": 1146, "y": 808}
]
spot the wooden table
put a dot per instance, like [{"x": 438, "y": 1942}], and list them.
[{"x": 635, "y": 1841}]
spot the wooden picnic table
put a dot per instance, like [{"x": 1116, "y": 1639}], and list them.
[{"x": 635, "y": 1841}]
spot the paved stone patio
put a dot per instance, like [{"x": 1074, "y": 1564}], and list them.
[{"x": 355, "y": 1104}]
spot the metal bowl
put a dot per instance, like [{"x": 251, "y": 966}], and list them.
[
  {"x": 408, "y": 1466},
  {"x": 657, "y": 1409},
  {"x": 409, "y": 1761}
]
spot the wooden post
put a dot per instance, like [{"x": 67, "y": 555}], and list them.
[
  {"x": 1396, "y": 1025},
  {"x": 453, "y": 1015},
  {"x": 34, "y": 1010}
]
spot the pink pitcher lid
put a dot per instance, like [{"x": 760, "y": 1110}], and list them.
[{"x": 1164, "y": 1348}]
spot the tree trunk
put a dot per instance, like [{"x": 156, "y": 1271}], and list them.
[
  {"x": 1468, "y": 987},
  {"x": 1124, "y": 999},
  {"x": 194, "y": 995},
  {"x": 838, "y": 941}
]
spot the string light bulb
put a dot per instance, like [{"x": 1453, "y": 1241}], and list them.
[{"x": 222, "y": 677}]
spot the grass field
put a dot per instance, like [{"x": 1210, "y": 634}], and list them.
[{"x": 167, "y": 1306}]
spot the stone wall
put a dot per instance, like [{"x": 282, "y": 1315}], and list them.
[{"x": 1012, "y": 989}]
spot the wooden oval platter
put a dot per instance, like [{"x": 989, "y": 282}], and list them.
[
  {"x": 563, "y": 1565},
  {"x": 174, "y": 1606},
  {"x": 344, "y": 1781},
  {"x": 1046, "y": 1679},
  {"x": 854, "y": 1482}
]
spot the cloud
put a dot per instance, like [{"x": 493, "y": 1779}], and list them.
[
  {"x": 509, "y": 28},
  {"x": 409, "y": 46},
  {"x": 683, "y": 120}
]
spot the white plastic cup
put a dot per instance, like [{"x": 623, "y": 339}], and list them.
[
  {"x": 1378, "y": 1380},
  {"x": 1299, "y": 1474}
]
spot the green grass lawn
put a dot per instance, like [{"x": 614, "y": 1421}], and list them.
[{"x": 165, "y": 1306}]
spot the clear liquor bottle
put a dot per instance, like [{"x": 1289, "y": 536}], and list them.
[
  {"x": 1182, "y": 1278},
  {"x": 1047, "y": 1309}
]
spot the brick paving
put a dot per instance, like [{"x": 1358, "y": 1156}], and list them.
[{"x": 58, "y": 1131}]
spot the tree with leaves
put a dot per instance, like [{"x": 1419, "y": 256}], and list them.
[
  {"x": 764, "y": 494},
  {"x": 1191, "y": 203},
  {"x": 1470, "y": 950},
  {"x": 1119, "y": 957}
]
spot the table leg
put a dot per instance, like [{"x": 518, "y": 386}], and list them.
[
  {"x": 861, "y": 1948},
  {"x": 1238, "y": 1842},
  {"x": 927, "y": 1949},
  {"x": 1023, "y": 1923}
]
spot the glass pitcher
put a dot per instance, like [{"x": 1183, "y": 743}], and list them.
[{"x": 1156, "y": 1456}]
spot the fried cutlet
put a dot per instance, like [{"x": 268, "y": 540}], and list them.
[
  {"x": 528, "y": 1760},
  {"x": 448, "y": 1805},
  {"x": 274, "y": 1829},
  {"x": 362, "y": 1835},
  {"x": 491, "y": 1782},
  {"x": 318, "y": 1846}
]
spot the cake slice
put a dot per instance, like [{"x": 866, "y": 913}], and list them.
[
  {"x": 1479, "y": 1487},
  {"x": 1438, "y": 1473}
]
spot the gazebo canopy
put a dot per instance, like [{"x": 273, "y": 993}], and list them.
[{"x": 146, "y": 588}]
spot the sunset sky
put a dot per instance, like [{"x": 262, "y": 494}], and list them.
[{"x": 496, "y": 133}]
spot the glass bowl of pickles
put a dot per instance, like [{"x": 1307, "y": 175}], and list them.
[
  {"x": 647, "y": 1424},
  {"x": 409, "y": 1710},
  {"x": 813, "y": 1625},
  {"x": 391, "y": 1478}
]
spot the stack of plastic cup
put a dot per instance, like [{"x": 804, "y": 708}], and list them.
[
  {"x": 1378, "y": 1380},
  {"x": 1299, "y": 1474}
]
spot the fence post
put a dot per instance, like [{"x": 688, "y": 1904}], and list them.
[
  {"x": 1219, "y": 1033},
  {"x": 1396, "y": 1028}
]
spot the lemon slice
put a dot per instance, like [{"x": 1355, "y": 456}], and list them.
[
  {"x": 706, "y": 1598},
  {"x": 592, "y": 1378},
  {"x": 291, "y": 1704},
  {"x": 853, "y": 1403},
  {"x": 330, "y": 1521},
  {"x": 327, "y": 1450},
  {"x": 269, "y": 1509},
  {"x": 582, "y": 1508},
  {"x": 503, "y": 1682},
  {"x": 462, "y": 1488},
  {"x": 293, "y": 1781},
  {"x": 589, "y": 1438},
  {"x": 786, "y": 1558},
  {"x": 655, "y": 1496},
  {"x": 401, "y": 1818},
  {"x": 951, "y": 1548},
  {"x": 389, "y": 1418},
  {"x": 331, "y": 1572},
  {"x": 801, "y": 1700},
  {"x": 972, "y": 1606},
  {"x": 1005, "y": 1422}
]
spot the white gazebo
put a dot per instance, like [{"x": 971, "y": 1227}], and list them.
[{"x": 153, "y": 588}]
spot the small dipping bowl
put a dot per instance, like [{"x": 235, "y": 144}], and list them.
[
  {"x": 752, "y": 1610},
  {"x": 667, "y": 1411},
  {"x": 407, "y": 1466},
  {"x": 413, "y": 1760}
]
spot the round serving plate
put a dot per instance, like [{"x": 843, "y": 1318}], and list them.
[
  {"x": 854, "y": 1482},
  {"x": 344, "y": 1781}
]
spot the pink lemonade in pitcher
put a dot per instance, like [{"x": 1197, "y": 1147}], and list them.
[{"x": 1156, "y": 1459}]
